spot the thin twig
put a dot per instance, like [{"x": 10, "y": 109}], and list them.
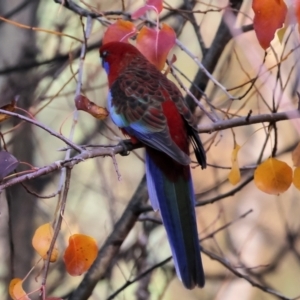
[
  {"x": 229, "y": 267},
  {"x": 28, "y": 190},
  {"x": 242, "y": 121},
  {"x": 113, "y": 156},
  {"x": 44, "y": 127},
  {"x": 163, "y": 262},
  {"x": 204, "y": 70},
  {"x": 225, "y": 195},
  {"x": 57, "y": 227},
  {"x": 212, "y": 117},
  {"x": 142, "y": 275}
]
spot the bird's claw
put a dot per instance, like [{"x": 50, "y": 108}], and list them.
[{"x": 127, "y": 146}]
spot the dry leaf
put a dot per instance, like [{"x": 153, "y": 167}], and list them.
[
  {"x": 83, "y": 103},
  {"x": 9, "y": 107}
]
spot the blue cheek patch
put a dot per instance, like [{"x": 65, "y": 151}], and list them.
[{"x": 105, "y": 65}]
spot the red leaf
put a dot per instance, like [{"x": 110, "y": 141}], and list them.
[
  {"x": 156, "y": 5},
  {"x": 269, "y": 16},
  {"x": 297, "y": 10},
  {"x": 155, "y": 45},
  {"x": 80, "y": 254},
  {"x": 120, "y": 31}
]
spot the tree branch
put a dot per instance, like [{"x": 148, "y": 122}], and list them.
[
  {"x": 247, "y": 120},
  {"x": 58, "y": 165}
]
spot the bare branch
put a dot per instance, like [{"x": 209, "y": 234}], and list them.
[
  {"x": 249, "y": 119},
  {"x": 58, "y": 165},
  {"x": 44, "y": 127}
]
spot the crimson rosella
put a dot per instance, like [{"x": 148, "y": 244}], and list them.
[{"x": 150, "y": 109}]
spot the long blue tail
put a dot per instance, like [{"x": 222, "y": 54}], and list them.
[{"x": 173, "y": 195}]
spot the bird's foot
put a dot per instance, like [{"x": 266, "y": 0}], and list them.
[{"x": 127, "y": 147}]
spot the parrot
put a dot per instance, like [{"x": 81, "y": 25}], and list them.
[{"x": 150, "y": 109}]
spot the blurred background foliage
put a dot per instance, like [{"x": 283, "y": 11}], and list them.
[{"x": 38, "y": 67}]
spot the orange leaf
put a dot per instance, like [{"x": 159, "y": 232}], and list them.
[
  {"x": 234, "y": 176},
  {"x": 83, "y": 103},
  {"x": 41, "y": 242},
  {"x": 296, "y": 178},
  {"x": 155, "y": 45},
  {"x": 156, "y": 5},
  {"x": 296, "y": 156},
  {"x": 120, "y": 31},
  {"x": 16, "y": 290},
  {"x": 269, "y": 16},
  {"x": 273, "y": 176},
  {"x": 80, "y": 254}
]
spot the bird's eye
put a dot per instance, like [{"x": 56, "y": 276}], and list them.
[
  {"x": 104, "y": 54},
  {"x": 103, "y": 61}
]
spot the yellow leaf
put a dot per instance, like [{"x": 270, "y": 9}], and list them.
[
  {"x": 234, "y": 176},
  {"x": 296, "y": 178},
  {"x": 273, "y": 176},
  {"x": 16, "y": 290},
  {"x": 296, "y": 156},
  {"x": 281, "y": 32},
  {"x": 41, "y": 242}
]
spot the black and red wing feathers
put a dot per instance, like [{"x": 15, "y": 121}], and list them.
[{"x": 155, "y": 110}]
